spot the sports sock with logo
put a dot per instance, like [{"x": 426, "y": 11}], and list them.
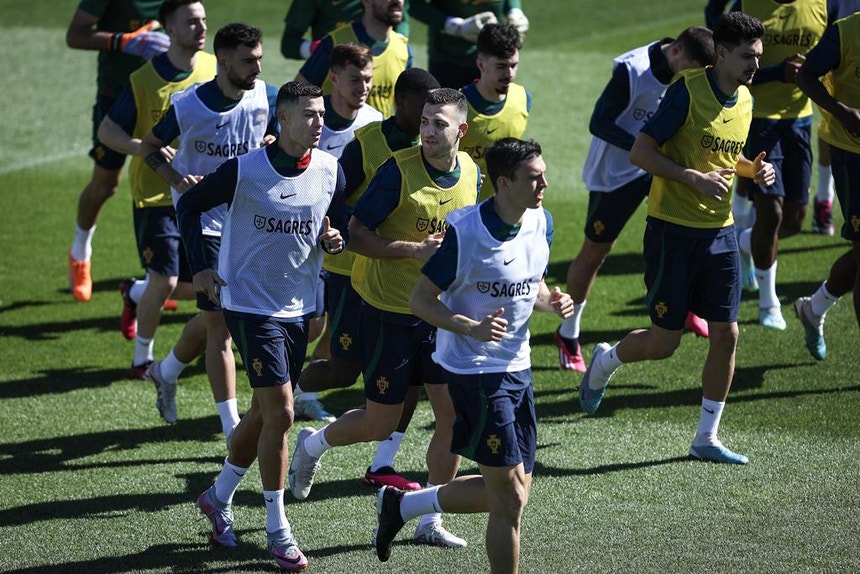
[
  {"x": 142, "y": 350},
  {"x": 709, "y": 419},
  {"x": 570, "y": 327},
  {"x": 316, "y": 444},
  {"x": 276, "y": 518},
  {"x": 766, "y": 278},
  {"x": 424, "y": 502},
  {"x": 823, "y": 300},
  {"x": 228, "y": 481}
]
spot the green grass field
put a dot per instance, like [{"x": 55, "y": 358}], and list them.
[{"x": 92, "y": 481}]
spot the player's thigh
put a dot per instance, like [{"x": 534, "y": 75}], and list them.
[
  {"x": 386, "y": 349},
  {"x": 343, "y": 306},
  {"x": 609, "y": 212},
  {"x": 717, "y": 287},
  {"x": 846, "y": 179},
  {"x": 211, "y": 248},
  {"x": 669, "y": 274},
  {"x": 158, "y": 240},
  {"x": 102, "y": 155},
  {"x": 796, "y": 137},
  {"x": 272, "y": 350}
]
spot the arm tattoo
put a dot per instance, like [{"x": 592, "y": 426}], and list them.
[{"x": 155, "y": 160}]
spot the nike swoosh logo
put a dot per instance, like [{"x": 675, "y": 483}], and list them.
[
  {"x": 492, "y": 130},
  {"x": 508, "y": 262},
  {"x": 269, "y": 499},
  {"x": 219, "y": 126},
  {"x": 727, "y": 120},
  {"x": 288, "y": 195},
  {"x": 709, "y": 411},
  {"x": 444, "y": 201}
]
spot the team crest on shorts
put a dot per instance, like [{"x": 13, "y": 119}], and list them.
[
  {"x": 661, "y": 309},
  {"x": 598, "y": 227},
  {"x": 147, "y": 255},
  {"x": 345, "y": 341},
  {"x": 257, "y": 365},
  {"x": 259, "y": 221},
  {"x": 857, "y": 71},
  {"x": 422, "y": 224},
  {"x": 483, "y": 286},
  {"x": 382, "y": 385},
  {"x": 494, "y": 442},
  {"x": 855, "y": 223}
]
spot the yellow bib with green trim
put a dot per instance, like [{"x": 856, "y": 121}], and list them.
[{"x": 844, "y": 85}]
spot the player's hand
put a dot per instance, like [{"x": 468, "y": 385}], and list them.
[
  {"x": 763, "y": 170},
  {"x": 518, "y": 20},
  {"x": 267, "y": 139},
  {"x": 144, "y": 42},
  {"x": 187, "y": 183},
  {"x": 561, "y": 303},
  {"x": 429, "y": 246},
  {"x": 850, "y": 119},
  {"x": 714, "y": 184},
  {"x": 469, "y": 28},
  {"x": 790, "y": 68},
  {"x": 330, "y": 239},
  {"x": 492, "y": 328},
  {"x": 209, "y": 283},
  {"x": 168, "y": 152}
]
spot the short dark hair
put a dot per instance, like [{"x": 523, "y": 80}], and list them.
[
  {"x": 698, "y": 44},
  {"x": 237, "y": 34},
  {"x": 504, "y": 156},
  {"x": 349, "y": 53},
  {"x": 291, "y": 92},
  {"x": 499, "y": 41},
  {"x": 415, "y": 81},
  {"x": 448, "y": 97},
  {"x": 169, "y": 7},
  {"x": 735, "y": 27}
]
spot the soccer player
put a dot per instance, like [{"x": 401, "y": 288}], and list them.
[
  {"x": 782, "y": 127},
  {"x": 322, "y": 16},
  {"x": 693, "y": 146},
  {"x": 397, "y": 224},
  {"x": 223, "y": 118},
  {"x": 346, "y": 110},
  {"x": 837, "y": 57},
  {"x": 140, "y": 105},
  {"x": 391, "y": 51},
  {"x": 483, "y": 347},
  {"x": 372, "y": 146},
  {"x": 452, "y": 30},
  {"x": 123, "y": 32},
  {"x": 616, "y": 187},
  {"x": 498, "y": 108},
  {"x": 282, "y": 200}
]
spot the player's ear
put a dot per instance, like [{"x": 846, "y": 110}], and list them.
[{"x": 464, "y": 127}]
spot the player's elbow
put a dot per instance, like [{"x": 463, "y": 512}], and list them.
[{"x": 637, "y": 153}]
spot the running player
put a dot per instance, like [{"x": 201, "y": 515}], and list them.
[
  {"x": 693, "y": 146},
  {"x": 616, "y": 187}
]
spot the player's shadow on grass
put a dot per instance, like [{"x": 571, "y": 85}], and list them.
[
  {"x": 617, "y": 264},
  {"x": 65, "y": 453},
  {"x": 60, "y": 381},
  {"x": 543, "y": 470},
  {"x": 53, "y": 330}
]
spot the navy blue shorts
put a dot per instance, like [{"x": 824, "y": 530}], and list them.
[
  {"x": 846, "y": 178},
  {"x": 211, "y": 247},
  {"x": 788, "y": 149},
  {"x": 320, "y": 294},
  {"x": 103, "y": 155},
  {"x": 609, "y": 212},
  {"x": 158, "y": 242},
  {"x": 496, "y": 423},
  {"x": 395, "y": 353},
  {"x": 343, "y": 305},
  {"x": 689, "y": 269},
  {"x": 272, "y": 350}
]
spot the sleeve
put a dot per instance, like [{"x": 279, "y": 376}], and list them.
[
  {"x": 167, "y": 129},
  {"x": 528, "y": 101},
  {"x": 441, "y": 268},
  {"x": 550, "y": 234},
  {"x": 671, "y": 114},
  {"x": 772, "y": 73},
  {"x": 272, "y": 128},
  {"x": 614, "y": 100},
  {"x": 316, "y": 67},
  {"x": 94, "y": 7},
  {"x": 299, "y": 18},
  {"x": 714, "y": 10},
  {"x": 124, "y": 110},
  {"x": 352, "y": 162},
  {"x": 409, "y": 58},
  {"x": 827, "y": 54},
  {"x": 511, "y": 4},
  {"x": 381, "y": 196},
  {"x": 216, "y": 188},
  {"x": 339, "y": 212}
]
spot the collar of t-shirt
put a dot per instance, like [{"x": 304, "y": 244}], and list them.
[
  {"x": 165, "y": 68},
  {"x": 444, "y": 179},
  {"x": 500, "y": 230},
  {"x": 214, "y": 99},
  {"x": 333, "y": 120},
  {"x": 376, "y": 48},
  {"x": 285, "y": 164},
  {"x": 395, "y": 137},
  {"x": 478, "y": 102},
  {"x": 727, "y": 101},
  {"x": 659, "y": 64}
]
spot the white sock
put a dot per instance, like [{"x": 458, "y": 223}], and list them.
[
  {"x": 766, "y": 278},
  {"x": 823, "y": 300},
  {"x": 137, "y": 289},
  {"x": 142, "y": 350},
  {"x": 228, "y": 412},
  {"x": 276, "y": 518},
  {"x": 744, "y": 241},
  {"x": 608, "y": 362},
  {"x": 741, "y": 208},
  {"x": 171, "y": 367},
  {"x": 228, "y": 481},
  {"x": 826, "y": 190},
  {"x": 709, "y": 421},
  {"x": 420, "y": 503},
  {"x": 386, "y": 451},
  {"x": 316, "y": 445},
  {"x": 82, "y": 245},
  {"x": 570, "y": 327},
  {"x": 301, "y": 395}
]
